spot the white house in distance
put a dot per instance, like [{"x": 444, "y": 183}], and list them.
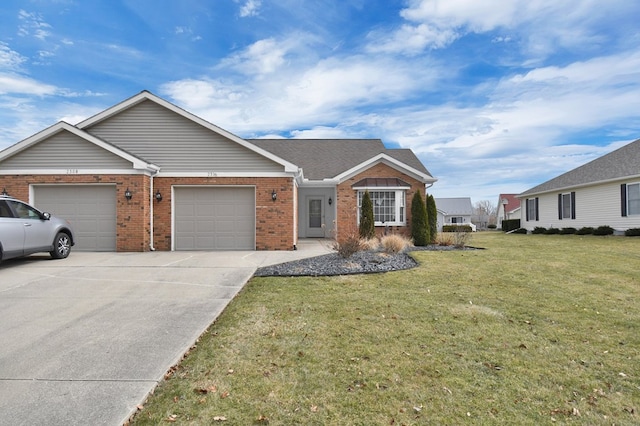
[
  {"x": 603, "y": 192},
  {"x": 454, "y": 211},
  {"x": 508, "y": 208}
]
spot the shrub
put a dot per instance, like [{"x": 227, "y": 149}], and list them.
[
  {"x": 603, "y": 230},
  {"x": 460, "y": 239},
  {"x": 510, "y": 224},
  {"x": 419, "y": 221},
  {"x": 432, "y": 217},
  {"x": 348, "y": 245},
  {"x": 394, "y": 243},
  {"x": 568, "y": 231},
  {"x": 552, "y": 231},
  {"x": 520, "y": 231},
  {"x": 539, "y": 230},
  {"x": 586, "y": 230},
  {"x": 370, "y": 244},
  {"x": 444, "y": 239},
  {"x": 456, "y": 228},
  {"x": 632, "y": 232},
  {"x": 367, "y": 227}
]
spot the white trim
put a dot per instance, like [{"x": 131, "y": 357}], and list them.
[
  {"x": 146, "y": 95},
  {"x": 582, "y": 185},
  {"x": 213, "y": 175},
  {"x": 137, "y": 163},
  {"x": 398, "y": 205},
  {"x": 73, "y": 172},
  {"x": 389, "y": 161}
]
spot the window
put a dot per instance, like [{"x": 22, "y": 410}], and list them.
[
  {"x": 388, "y": 207},
  {"x": 567, "y": 206},
  {"x": 24, "y": 211},
  {"x": 633, "y": 199},
  {"x": 457, "y": 219},
  {"x": 532, "y": 209}
]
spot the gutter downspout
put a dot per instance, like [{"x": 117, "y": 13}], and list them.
[{"x": 151, "y": 199}]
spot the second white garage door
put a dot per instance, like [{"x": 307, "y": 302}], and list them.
[
  {"x": 91, "y": 209},
  {"x": 214, "y": 218}
]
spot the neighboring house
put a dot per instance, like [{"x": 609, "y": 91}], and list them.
[
  {"x": 148, "y": 175},
  {"x": 454, "y": 211},
  {"x": 605, "y": 191},
  {"x": 508, "y": 208}
]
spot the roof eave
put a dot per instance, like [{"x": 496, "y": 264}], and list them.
[
  {"x": 146, "y": 95},
  {"x": 583, "y": 185},
  {"x": 388, "y": 160}
]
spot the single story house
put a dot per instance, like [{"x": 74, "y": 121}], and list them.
[
  {"x": 605, "y": 191},
  {"x": 454, "y": 211},
  {"x": 508, "y": 208},
  {"x": 147, "y": 175}
]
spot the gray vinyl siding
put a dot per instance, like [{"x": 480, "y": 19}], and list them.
[
  {"x": 177, "y": 144},
  {"x": 65, "y": 150},
  {"x": 596, "y": 205}
]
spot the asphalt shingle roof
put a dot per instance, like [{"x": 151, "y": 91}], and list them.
[
  {"x": 328, "y": 158},
  {"x": 622, "y": 162},
  {"x": 451, "y": 206}
]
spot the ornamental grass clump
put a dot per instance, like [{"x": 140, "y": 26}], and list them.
[{"x": 394, "y": 243}]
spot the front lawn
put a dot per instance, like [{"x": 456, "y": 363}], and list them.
[{"x": 535, "y": 329}]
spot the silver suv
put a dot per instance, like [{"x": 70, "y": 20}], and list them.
[{"x": 25, "y": 230}]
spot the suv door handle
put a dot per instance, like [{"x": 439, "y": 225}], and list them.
[{"x": 27, "y": 224}]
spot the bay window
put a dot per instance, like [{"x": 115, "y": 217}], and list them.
[{"x": 388, "y": 206}]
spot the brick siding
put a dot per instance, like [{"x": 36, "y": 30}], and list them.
[
  {"x": 275, "y": 221},
  {"x": 347, "y": 201}
]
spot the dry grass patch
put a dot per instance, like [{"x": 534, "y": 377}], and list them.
[{"x": 550, "y": 337}]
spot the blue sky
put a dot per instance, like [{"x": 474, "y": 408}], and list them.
[{"x": 493, "y": 96}]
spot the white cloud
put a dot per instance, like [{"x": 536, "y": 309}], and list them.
[
  {"x": 13, "y": 83},
  {"x": 262, "y": 57},
  {"x": 10, "y": 59},
  {"x": 33, "y": 24},
  {"x": 250, "y": 8},
  {"x": 543, "y": 25}
]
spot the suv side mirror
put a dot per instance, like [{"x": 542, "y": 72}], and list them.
[{"x": 46, "y": 215}]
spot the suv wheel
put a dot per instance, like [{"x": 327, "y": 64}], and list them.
[{"x": 61, "y": 246}]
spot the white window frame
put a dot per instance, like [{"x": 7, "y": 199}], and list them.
[
  {"x": 566, "y": 205},
  {"x": 399, "y": 205},
  {"x": 633, "y": 210}
]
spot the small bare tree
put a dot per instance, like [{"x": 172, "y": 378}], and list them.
[{"x": 485, "y": 212}]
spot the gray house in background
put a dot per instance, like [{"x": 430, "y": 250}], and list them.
[
  {"x": 454, "y": 211},
  {"x": 605, "y": 191}
]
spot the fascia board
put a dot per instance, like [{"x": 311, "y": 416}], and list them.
[
  {"x": 390, "y": 161},
  {"x": 583, "y": 185},
  {"x": 145, "y": 95},
  {"x": 64, "y": 126}
]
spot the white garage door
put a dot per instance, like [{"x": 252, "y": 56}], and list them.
[
  {"x": 91, "y": 209},
  {"x": 221, "y": 218}
]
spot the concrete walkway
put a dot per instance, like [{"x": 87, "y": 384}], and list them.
[{"x": 85, "y": 339}]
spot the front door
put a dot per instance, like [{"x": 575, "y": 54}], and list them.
[{"x": 315, "y": 217}]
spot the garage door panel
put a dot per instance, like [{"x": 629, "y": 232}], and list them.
[
  {"x": 214, "y": 218},
  {"x": 91, "y": 209}
]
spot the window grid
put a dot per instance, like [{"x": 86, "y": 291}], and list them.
[{"x": 387, "y": 206}]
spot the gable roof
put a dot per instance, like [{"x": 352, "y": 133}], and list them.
[
  {"x": 513, "y": 203},
  {"x": 137, "y": 162},
  {"x": 148, "y": 96},
  {"x": 621, "y": 163},
  {"x": 454, "y": 206},
  {"x": 323, "y": 159}
]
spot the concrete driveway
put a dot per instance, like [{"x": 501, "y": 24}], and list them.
[{"x": 84, "y": 340}]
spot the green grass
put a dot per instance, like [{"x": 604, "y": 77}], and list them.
[{"x": 535, "y": 329}]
